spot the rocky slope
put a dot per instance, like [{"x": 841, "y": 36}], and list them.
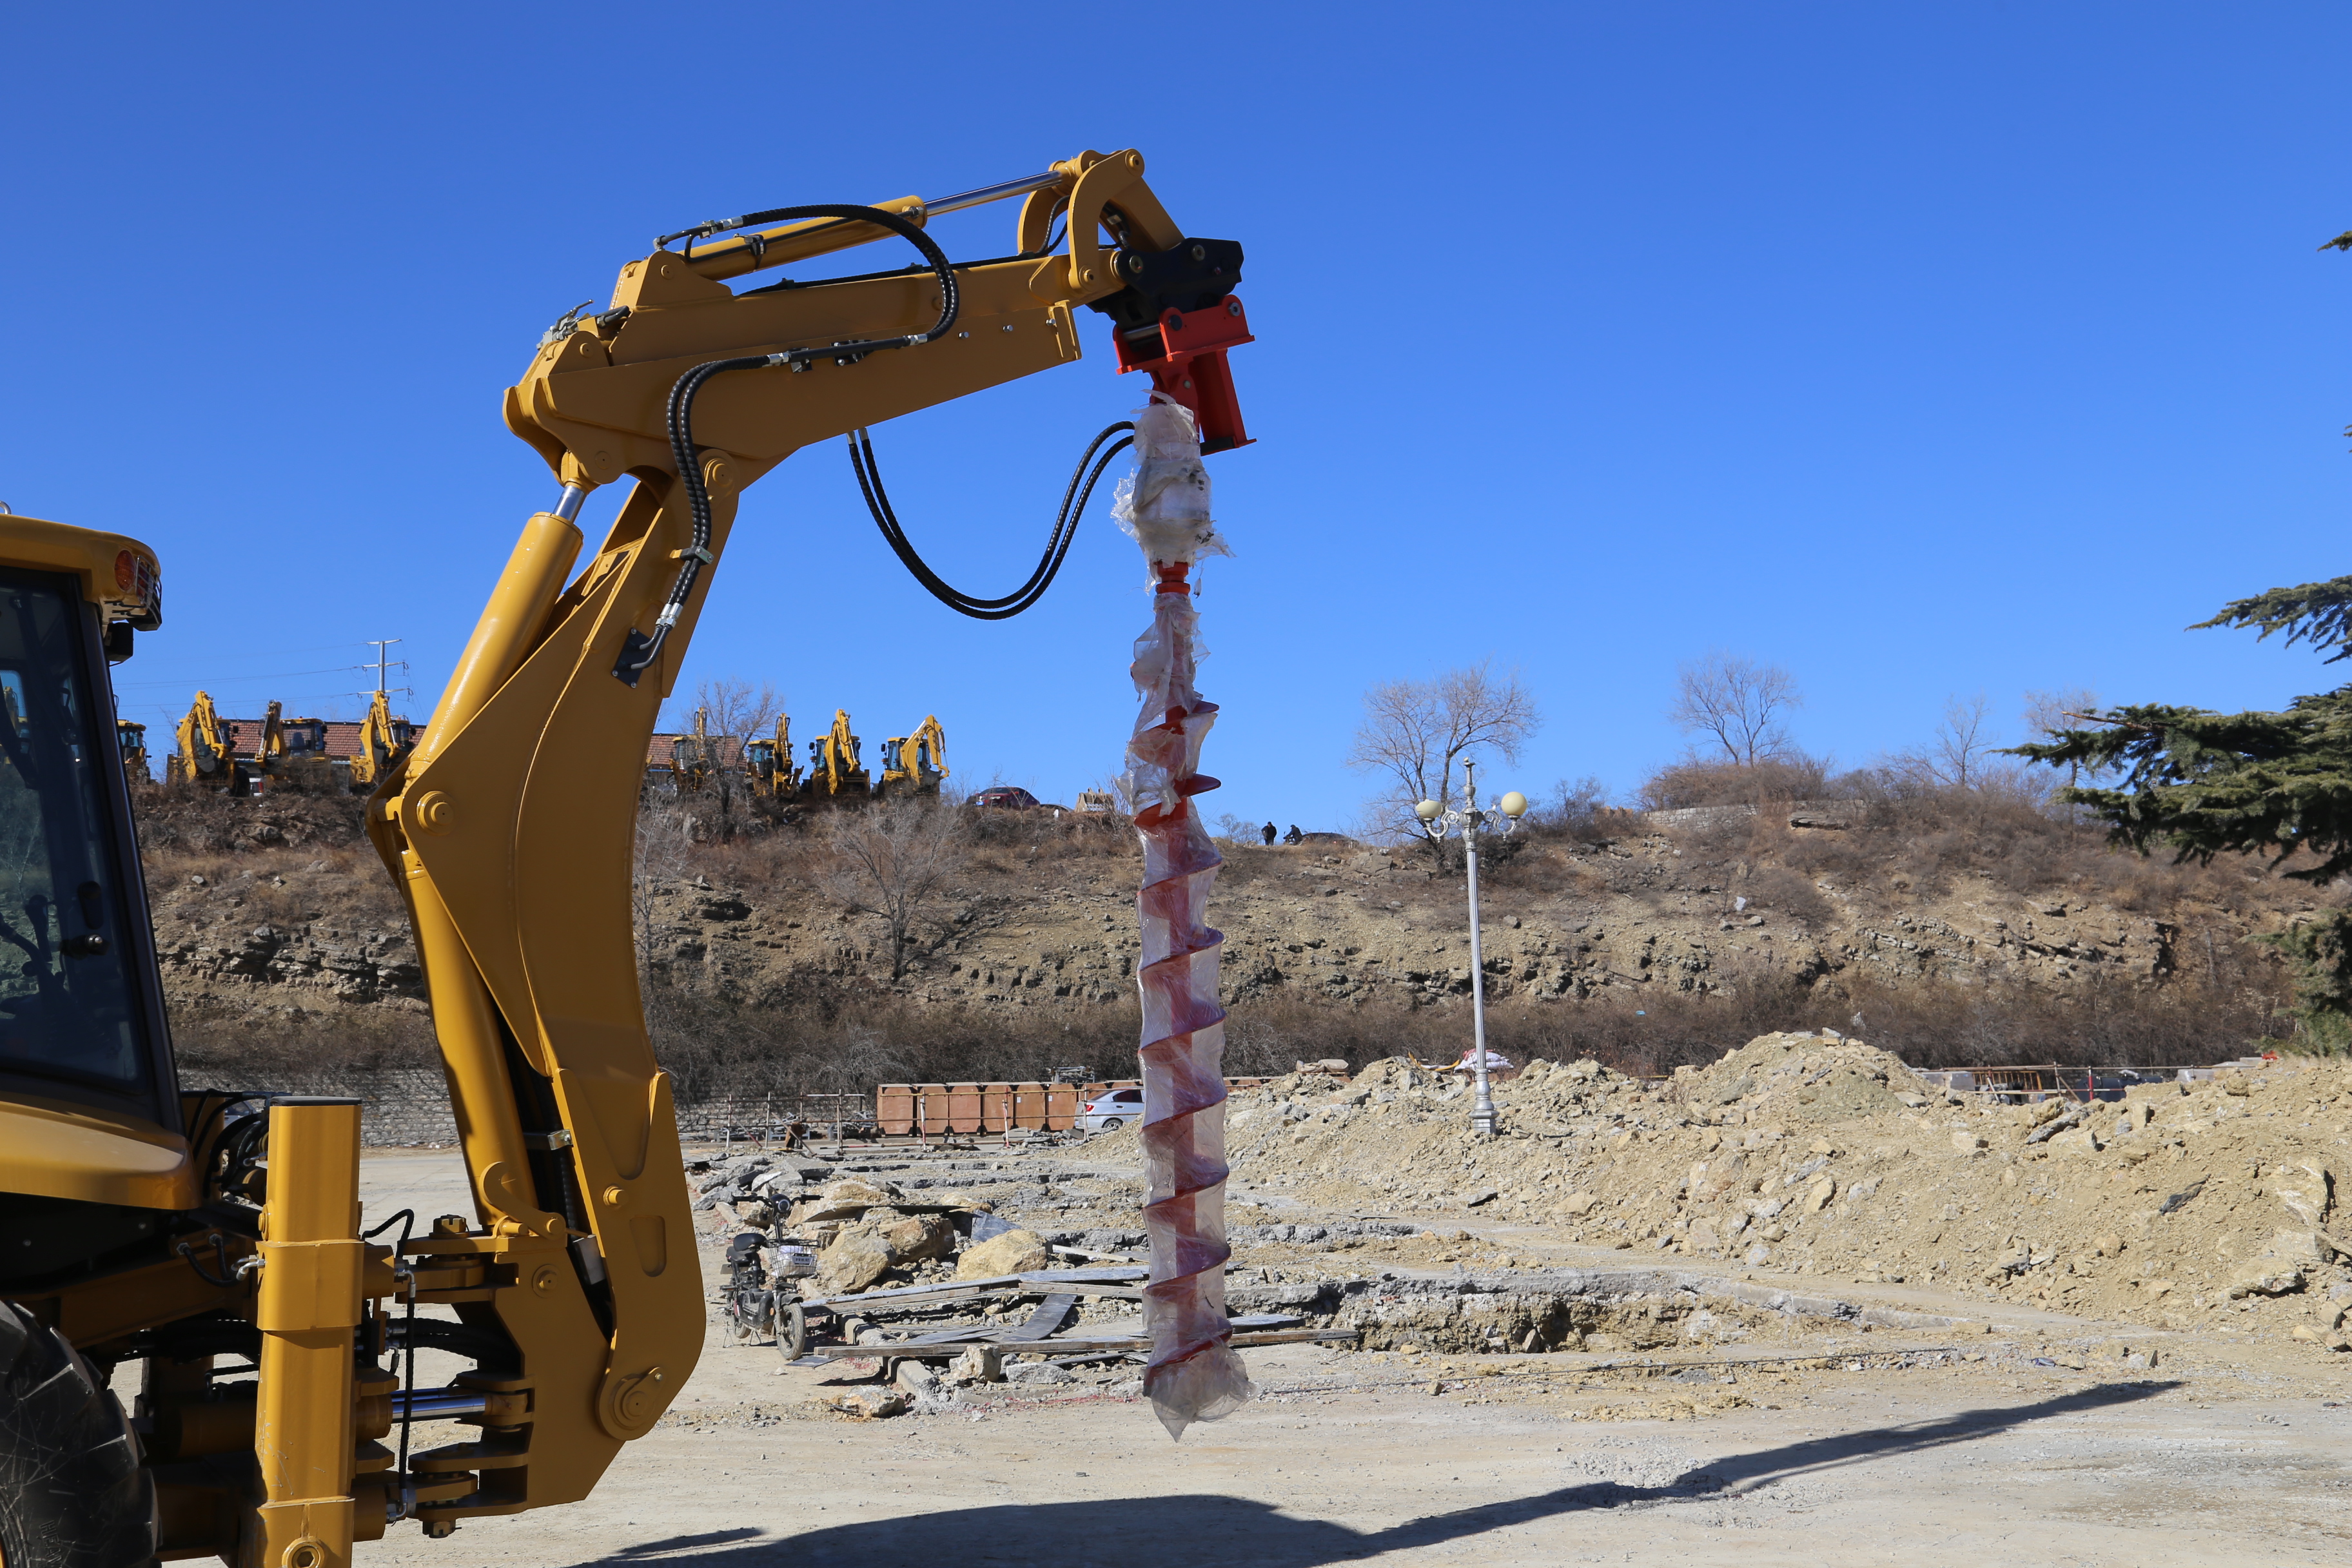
[{"x": 276, "y": 904}]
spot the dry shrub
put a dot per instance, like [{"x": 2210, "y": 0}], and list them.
[
  {"x": 1789, "y": 893},
  {"x": 290, "y": 1047},
  {"x": 179, "y": 817},
  {"x": 1698, "y": 781},
  {"x": 831, "y": 1042}
]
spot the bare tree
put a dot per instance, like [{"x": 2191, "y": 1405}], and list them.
[
  {"x": 738, "y": 708},
  {"x": 666, "y": 835},
  {"x": 1742, "y": 704},
  {"x": 1957, "y": 757},
  {"x": 2050, "y": 713},
  {"x": 1963, "y": 741},
  {"x": 892, "y": 861},
  {"x": 1415, "y": 732}
]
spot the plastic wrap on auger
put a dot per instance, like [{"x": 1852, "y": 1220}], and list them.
[{"x": 1194, "y": 1374}]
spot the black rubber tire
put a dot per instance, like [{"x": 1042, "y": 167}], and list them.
[
  {"x": 72, "y": 1492},
  {"x": 792, "y": 1331},
  {"x": 1109, "y": 1124}
]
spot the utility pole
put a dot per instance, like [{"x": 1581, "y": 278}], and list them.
[{"x": 383, "y": 646}]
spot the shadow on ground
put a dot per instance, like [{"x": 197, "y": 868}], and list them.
[{"x": 1207, "y": 1530}]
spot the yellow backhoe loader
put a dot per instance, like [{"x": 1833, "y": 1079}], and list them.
[
  {"x": 384, "y": 741},
  {"x": 207, "y": 753},
  {"x": 695, "y": 759},
  {"x": 215, "y": 1239},
  {"x": 131, "y": 740},
  {"x": 770, "y": 763},
  {"x": 836, "y": 768},
  {"x": 914, "y": 765},
  {"x": 269, "y": 751},
  {"x": 302, "y": 755}
]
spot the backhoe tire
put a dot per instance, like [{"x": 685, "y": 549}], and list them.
[{"x": 72, "y": 1494}]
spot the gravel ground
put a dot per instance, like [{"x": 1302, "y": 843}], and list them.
[{"x": 1828, "y": 1445}]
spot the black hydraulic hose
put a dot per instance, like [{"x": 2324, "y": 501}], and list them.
[
  {"x": 1057, "y": 543},
  {"x": 638, "y": 650}
]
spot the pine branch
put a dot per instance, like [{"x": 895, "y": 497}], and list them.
[
  {"x": 2211, "y": 784},
  {"x": 2317, "y": 612}
]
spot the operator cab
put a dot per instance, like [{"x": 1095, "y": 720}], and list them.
[{"x": 81, "y": 1024}]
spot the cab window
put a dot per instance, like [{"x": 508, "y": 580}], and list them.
[{"x": 69, "y": 1006}]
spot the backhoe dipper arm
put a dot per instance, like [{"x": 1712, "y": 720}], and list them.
[{"x": 510, "y": 824}]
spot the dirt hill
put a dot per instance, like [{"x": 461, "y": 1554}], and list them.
[{"x": 1960, "y": 935}]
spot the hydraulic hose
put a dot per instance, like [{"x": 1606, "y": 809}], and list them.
[
  {"x": 1057, "y": 542},
  {"x": 638, "y": 651}
]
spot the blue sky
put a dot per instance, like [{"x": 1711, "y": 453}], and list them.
[{"x": 1923, "y": 350}]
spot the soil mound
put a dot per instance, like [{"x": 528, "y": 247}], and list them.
[{"x": 2210, "y": 1204}]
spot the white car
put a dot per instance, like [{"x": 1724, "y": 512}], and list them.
[{"x": 1110, "y": 1111}]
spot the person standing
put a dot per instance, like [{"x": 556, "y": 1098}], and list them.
[{"x": 1268, "y": 831}]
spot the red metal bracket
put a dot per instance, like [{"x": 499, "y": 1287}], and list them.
[{"x": 1191, "y": 367}]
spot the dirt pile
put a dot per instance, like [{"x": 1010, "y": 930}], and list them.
[{"x": 2210, "y": 1203}]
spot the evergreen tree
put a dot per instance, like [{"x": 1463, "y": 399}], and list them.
[{"x": 2278, "y": 785}]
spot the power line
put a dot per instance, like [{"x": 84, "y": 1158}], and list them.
[{"x": 267, "y": 675}]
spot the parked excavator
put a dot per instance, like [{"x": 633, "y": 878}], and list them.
[
  {"x": 836, "y": 768},
  {"x": 269, "y": 751},
  {"x": 207, "y": 1246},
  {"x": 302, "y": 759},
  {"x": 207, "y": 753},
  {"x": 384, "y": 741},
  {"x": 769, "y": 762},
  {"x": 914, "y": 765},
  {"x": 131, "y": 740},
  {"x": 698, "y": 759}
]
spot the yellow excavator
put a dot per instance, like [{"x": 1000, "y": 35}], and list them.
[
  {"x": 914, "y": 765},
  {"x": 207, "y": 753},
  {"x": 302, "y": 752},
  {"x": 269, "y": 751},
  {"x": 769, "y": 762},
  {"x": 384, "y": 741},
  {"x": 131, "y": 740},
  {"x": 836, "y": 768},
  {"x": 695, "y": 759},
  {"x": 208, "y": 1247}
]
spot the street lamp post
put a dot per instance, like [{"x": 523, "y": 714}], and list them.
[{"x": 1438, "y": 822}]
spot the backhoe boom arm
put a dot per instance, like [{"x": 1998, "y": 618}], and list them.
[{"x": 510, "y": 824}]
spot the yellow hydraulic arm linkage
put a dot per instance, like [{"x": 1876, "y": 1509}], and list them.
[
  {"x": 914, "y": 765},
  {"x": 207, "y": 755},
  {"x": 509, "y": 825}
]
